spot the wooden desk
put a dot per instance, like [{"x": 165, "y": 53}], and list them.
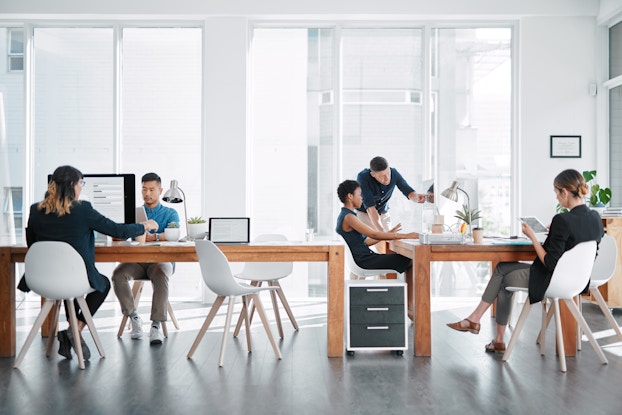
[
  {"x": 419, "y": 287},
  {"x": 329, "y": 252},
  {"x": 612, "y": 290}
]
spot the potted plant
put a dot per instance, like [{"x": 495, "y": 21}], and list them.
[
  {"x": 468, "y": 217},
  {"x": 598, "y": 196},
  {"x": 197, "y": 228},
  {"x": 171, "y": 232}
]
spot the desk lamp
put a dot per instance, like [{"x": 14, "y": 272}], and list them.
[
  {"x": 451, "y": 193},
  {"x": 176, "y": 195}
]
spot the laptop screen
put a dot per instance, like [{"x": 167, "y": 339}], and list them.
[{"x": 229, "y": 230}]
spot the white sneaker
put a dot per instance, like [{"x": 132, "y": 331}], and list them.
[
  {"x": 137, "y": 327},
  {"x": 155, "y": 335}
]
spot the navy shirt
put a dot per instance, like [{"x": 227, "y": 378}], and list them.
[
  {"x": 76, "y": 228},
  {"x": 376, "y": 194}
]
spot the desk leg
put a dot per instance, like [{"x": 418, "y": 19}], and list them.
[
  {"x": 569, "y": 328},
  {"x": 388, "y": 250},
  {"x": 7, "y": 304},
  {"x": 335, "y": 302},
  {"x": 422, "y": 333}
]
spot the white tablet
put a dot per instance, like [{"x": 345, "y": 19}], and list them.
[{"x": 535, "y": 224}]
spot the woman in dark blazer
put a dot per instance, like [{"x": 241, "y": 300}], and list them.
[
  {"x": 579, "y": 224},
  {"x": 60, "y": 216}
]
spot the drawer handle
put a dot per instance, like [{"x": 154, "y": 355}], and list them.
[
  {"x": 377, "y": 308},
  {"x": 377, "y": 290},
  {"x": 378, "y": 328}
]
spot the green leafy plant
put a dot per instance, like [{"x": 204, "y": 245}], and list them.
[
  {"x": 173, "y": 225},
  {"x": 597, "y": 194},
  {"x": 468, "y": 216},
  {"x": 196, "y": 219}
]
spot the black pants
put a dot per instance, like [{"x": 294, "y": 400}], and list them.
[
  {"x": 395, "y": 262},
  {"x": 94, "y": 300}
]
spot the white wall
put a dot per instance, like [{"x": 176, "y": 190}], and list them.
[{"x": 557, "y": 63}]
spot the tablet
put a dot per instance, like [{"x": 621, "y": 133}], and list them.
[{"x": 535, "y": 224}]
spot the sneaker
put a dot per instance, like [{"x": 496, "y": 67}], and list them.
[
  {"x": 137, "y": 327},
  {"x": 86, "y": 353},
  {"x": 155, "y": 335},
  {"x": 64, "y": 347}
]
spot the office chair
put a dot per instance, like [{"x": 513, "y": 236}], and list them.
[
  {"x": 56, "y": 272},
  {"x": 218, "y": 277}
]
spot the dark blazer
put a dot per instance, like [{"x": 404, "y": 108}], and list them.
[
  {"x": 568, "y": 229},
  {"x": 76, "y": 229}
]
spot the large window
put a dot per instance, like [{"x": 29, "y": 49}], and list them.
[
  {"x": 137, "y": 114},
  {"x": 615, "y": 113},
  {"x": 325, "y": 101}
]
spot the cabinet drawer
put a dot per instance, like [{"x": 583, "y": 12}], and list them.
[
  {"x": 377, "y": 314},
  {"x": 379, "y": 335},
  {"x": 376, "y": 295}
]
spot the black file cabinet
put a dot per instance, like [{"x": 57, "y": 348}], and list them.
[{"x": 376, "y": 315}]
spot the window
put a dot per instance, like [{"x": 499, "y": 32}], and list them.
[
  {"x": 615, "y": 113},
  {"x": 15, "y": 50}
]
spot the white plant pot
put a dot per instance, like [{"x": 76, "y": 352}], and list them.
[
  {"x": 172, "y": 234},
  {"x": 197, "y": 230}
]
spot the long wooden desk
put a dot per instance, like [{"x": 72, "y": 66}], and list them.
[
  {"x": 329, "y": 252},
  {"x": 419, "y": 286}
]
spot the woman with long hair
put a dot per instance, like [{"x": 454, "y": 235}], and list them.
[
  {"x": 578, "y": 224},
  {"x": 60, "y": 216}
]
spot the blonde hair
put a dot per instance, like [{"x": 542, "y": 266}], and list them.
[{"x": 61, "y": 192}]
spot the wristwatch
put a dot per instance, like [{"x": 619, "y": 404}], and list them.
[{"x": 157, "y": 236}]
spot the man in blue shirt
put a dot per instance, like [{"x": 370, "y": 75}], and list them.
[
  {"x": 158, "y": 273},
  {"x": 377, "y": 185}
]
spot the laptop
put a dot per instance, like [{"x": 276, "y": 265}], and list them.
[{"x": 229, "y": 230}]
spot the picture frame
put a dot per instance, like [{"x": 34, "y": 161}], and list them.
[{"x": 565, "y": 146}]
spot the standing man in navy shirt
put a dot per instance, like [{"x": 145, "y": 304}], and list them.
[
  {"x": 158, "y": 273},
  {"x": 377, "y": 185}
]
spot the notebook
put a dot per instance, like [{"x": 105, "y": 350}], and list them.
[{"x": 229, "y": 230}]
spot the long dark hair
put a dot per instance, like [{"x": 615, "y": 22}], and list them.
[{"x": 61, "y": 191}]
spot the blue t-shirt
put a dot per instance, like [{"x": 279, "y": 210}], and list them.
[
  {"x": 376, "y": 194},
  {"x": 163, "y": 215}
]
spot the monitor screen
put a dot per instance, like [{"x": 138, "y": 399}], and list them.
[{"x": 112, "y": 195}]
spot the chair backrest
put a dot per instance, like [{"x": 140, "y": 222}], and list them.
[
  {"x": 216, "y": 271},
  {"x": 355, "y": 269},
  {"x": 56, "y": 271},
  {"x": 572, "y": 271},
  {"x": 267, "y": 270},
  {"x": 605, "y": 264}
]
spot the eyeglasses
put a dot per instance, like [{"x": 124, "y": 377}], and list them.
[{"x": 82, "y": 183}]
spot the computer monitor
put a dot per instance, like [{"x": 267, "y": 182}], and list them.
[{"x": 112, "y": 195}]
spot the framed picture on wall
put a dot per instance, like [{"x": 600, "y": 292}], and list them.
[{"x": 565, "y": 146}]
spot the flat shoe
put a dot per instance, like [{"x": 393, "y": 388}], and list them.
[
  {"x": 64, "y": 347},
  {"x": 86, "y": 353},
  {"x": 473, "y": 327},
  {"x": 494, "y": 347}
]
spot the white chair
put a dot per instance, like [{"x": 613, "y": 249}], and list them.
[
  {"x": 270, "y": 272},
  {"x": 137, "y": 290},
  {"x": 56, "y": 271},
  {"x": 362, "y": 272},
  {"x": 217, "y": 276},
  {"x": 570, "y": 277}
]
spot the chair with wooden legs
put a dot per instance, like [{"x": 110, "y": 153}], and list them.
[
  {"x": 570, "y": 277},
  {"x": 137, "y": 290},
  {"x": 56, "y": 272},
  {"x": 218, "y": 277},
  {"x": 604, "y": 268},
  {"x": 271, "y": 273}
]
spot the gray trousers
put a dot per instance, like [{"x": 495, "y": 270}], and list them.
[
  {"x": 158, "y": 273},
  {"x": 506, "y": 274}
]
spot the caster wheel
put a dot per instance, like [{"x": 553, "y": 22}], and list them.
[
  {"x": 399, "y": 352},
  {"x": 350, "y": 353}
]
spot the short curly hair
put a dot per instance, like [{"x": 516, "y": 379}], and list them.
[{"x": 345, "y": 188}]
